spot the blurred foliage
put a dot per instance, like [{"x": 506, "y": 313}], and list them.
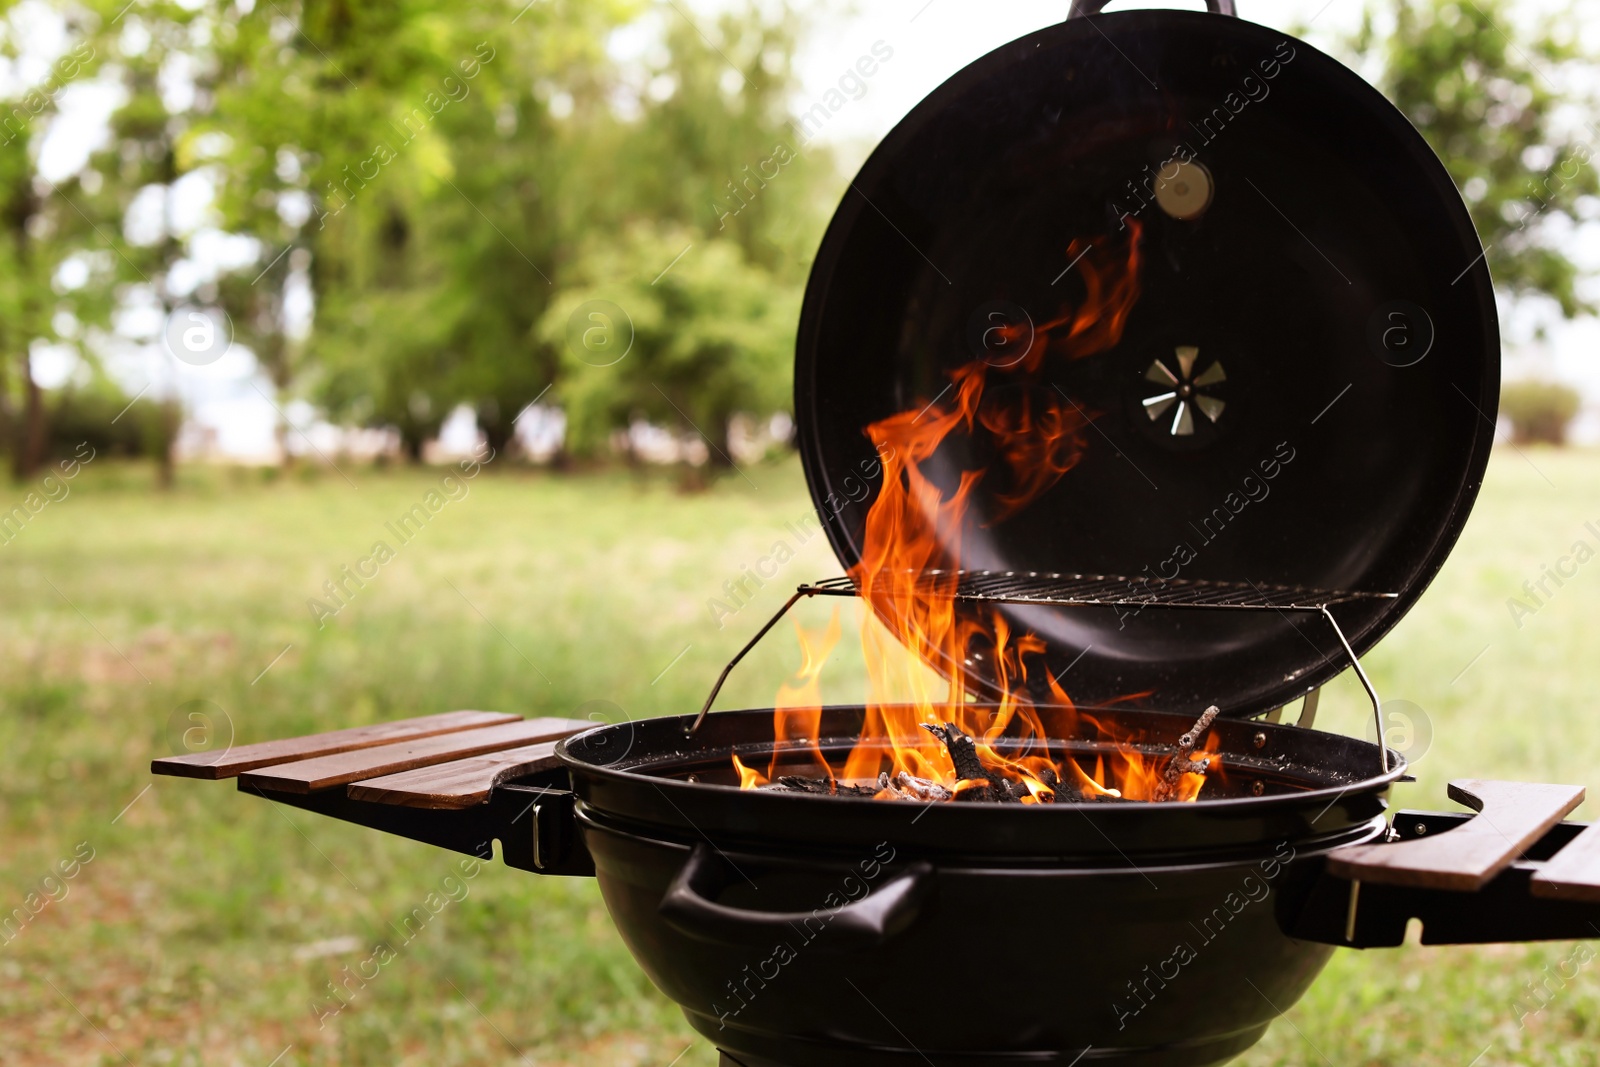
[
  {"x": 1539, "y": 411},
  {"x": 406, "y": 203},
  {"x": 428, "y": 178},
  {"x": 454, "y": 162},
  {"x": 42, "y": 229},
  {"x": 1498, "y": 104},
  {"x": 107, "y": 422},
  {"x": 707, "y": 338}
]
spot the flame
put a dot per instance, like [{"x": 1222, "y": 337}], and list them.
[
  {"x": 798, "y": 714},
  {"x": 911, "y": 547},
  {"x": 749, "y": 778}
]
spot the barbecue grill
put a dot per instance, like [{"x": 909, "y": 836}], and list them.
[{"x": 1253, "y": 442}]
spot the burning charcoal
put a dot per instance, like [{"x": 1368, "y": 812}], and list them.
[
  {"x": 796, "y": 784},
  {"x": 821, "y": 787},
  {"x": 974, "y": 790},
  {"x": 964, "y": 754},
  {"x": 920, "y": 788},
  {"x": 963, "y": 750},
  {"x": 1062, "y": 792}
]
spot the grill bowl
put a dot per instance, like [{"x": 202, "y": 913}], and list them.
[{"x": 1005, "y": 934}]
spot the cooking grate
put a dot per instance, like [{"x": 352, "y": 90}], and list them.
[
  {"x": 1097, "y": 590},
  {"x": 1107, "y": 590}
]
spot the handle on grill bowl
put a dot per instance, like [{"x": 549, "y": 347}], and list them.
[
  {"x": 865, "y": 923},
  {"x": 1080, "y": 8}
]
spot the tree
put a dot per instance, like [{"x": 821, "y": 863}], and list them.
[
  {"x": 715, "y": 147},
  {"x": 418, "y": 147},
  {"x": 43, "y": 225},
  {"x": 429, "y": 177},
  {"x": 716, "y": 210},
  {"x": 708, "y": 338},
  {"x": 1539, "y": 411},
  {"x": 161, "y": 58},
  {"x": 1490, "y": 99}
]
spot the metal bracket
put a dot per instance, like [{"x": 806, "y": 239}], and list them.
[
  {"x": 1308, "y": 710},
  {"x": 533, "y": 819},
  {"x": 1099, "y": 590}
]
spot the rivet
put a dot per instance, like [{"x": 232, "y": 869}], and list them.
[
  {"x": 1258, "y": 787},
  {"x": 1421, "y": 828},
  {"x": 692, "y": 778},
  {"x": 1261, "y": 739}
]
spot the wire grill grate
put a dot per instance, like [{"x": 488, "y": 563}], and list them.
[{"x": 1106, "y": 590}]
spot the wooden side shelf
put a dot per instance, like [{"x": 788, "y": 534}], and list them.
[
  {"x": 461, "y": 780},
  {"x": 1574, "y": 872},
  {"x": 448, "y": 761},
  {"x": 1511, "y": 817},
  {"x": 231, "y": 762},
  {"x": 458, "y": 784}
]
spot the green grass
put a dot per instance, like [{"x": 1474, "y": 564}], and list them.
[{"x": 178, "y": 942}]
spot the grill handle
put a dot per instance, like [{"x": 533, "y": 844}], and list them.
[
  {"x": 1080, "y": 8},
  {"x": 865, "y": 923}
]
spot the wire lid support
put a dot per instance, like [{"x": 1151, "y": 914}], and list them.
[{"x": 1097, "y": 590}]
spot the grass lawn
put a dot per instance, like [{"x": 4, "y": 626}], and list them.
[{"x": 206, "y": 926}]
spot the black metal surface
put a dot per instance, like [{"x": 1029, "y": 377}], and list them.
[
  {"x": 1328, "y": 208},
  {"x": 1002, "y": 965},
  {"x": 1502, "y": 911},
  {"x": 1041, "y": 916},
  {"x": 690, "y": 908}
]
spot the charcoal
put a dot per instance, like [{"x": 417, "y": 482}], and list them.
[
  {"x": 1061, "y": 792},
  {"x": 976, "y": 794},
  {"x": 995, "y": 788},
  {"x": 918, "y": 788},
  {"x": 963, "y": 750},
  {"x": 821, "y": 787},
  {"x": 964, "y": 754}
]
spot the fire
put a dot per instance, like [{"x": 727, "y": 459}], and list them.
[
  {"x": 913, "y": 535},
  {"x": 749, "y": 778},
  {"x": 798, "y": 714}
]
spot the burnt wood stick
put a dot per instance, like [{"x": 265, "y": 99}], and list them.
[
  {"x": 1192, "y": 738},
  {"x": 1181, "y": 764},
  {"x": 964, "y": 754},
  {"x": 963, "y": 750}
]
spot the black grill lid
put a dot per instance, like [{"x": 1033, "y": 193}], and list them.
[{"x": 1327, "y": 288}]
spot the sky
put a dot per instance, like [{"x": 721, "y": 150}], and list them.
[{"x": 931, "y": 40}]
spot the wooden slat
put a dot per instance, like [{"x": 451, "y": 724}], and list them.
[
  {"x": 324, "y": 772},
  {"x": 234, "y": 761},
  {"x": 1511, "y": 816},
  {"x": 1574, "y": 872},
  {"x": 459, "y": 784}
]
